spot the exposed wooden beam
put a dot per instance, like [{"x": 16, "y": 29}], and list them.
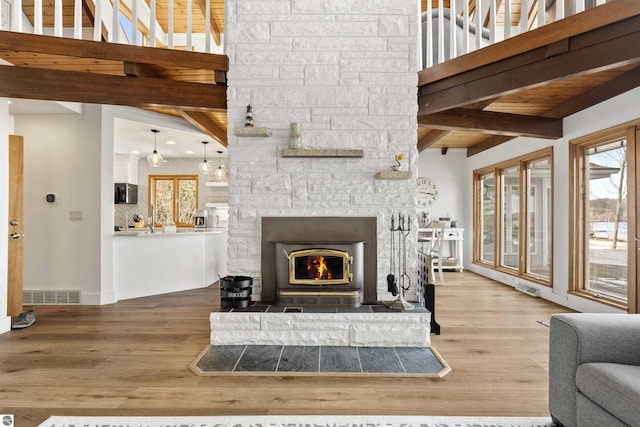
[
  {"x": 588, "y": 55},
  {"x": 73, "y": 86},
  {"x": 494, "y": 141},
  {"x": 198, "y": 119},
  {"x": 20, "y": 42},
  {"x": 494, "y": 123},
  {"x": 615, "y": 87},
  {"x": 431, "y": 138},
  {"x": 206, "y": 125},
  {"x": 215, "y": 31}
]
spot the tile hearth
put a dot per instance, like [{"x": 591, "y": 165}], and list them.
[
  {"x": 319, "y": 359},
  {"x": 365, "y": 326}
]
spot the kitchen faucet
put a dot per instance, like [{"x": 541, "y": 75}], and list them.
[{"x": 150, "y": 222}]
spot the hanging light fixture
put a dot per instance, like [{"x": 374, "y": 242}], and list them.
[
  {"x": 154, "y": 159},
  {"x": 205, "y": 167},
  {"x": 219, "y": 174}
]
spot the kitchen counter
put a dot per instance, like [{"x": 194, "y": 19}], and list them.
[
  {"x": 145, "y": 232},
  {"x": 160, "y": 263}
]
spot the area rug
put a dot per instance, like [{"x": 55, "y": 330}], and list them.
[
  {"x": 288, "y": 360},
  {"x": 297, "y": 421}
]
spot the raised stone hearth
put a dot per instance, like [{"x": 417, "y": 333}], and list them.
[{"x": 366, "y": 326}]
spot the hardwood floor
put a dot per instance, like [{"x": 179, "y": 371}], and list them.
[{"x": 131, "y": 358}]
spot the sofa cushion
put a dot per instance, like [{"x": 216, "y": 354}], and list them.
[{"x": 614, "y": 387}]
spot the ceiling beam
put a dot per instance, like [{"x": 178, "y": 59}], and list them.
[
  {"x": 431, "y": 138},
  {"x": 215, "y": 31},
  {"x": 73, "y": 86},
  {"x": 206, "y": 125},
  {"x": 619, "y": 46},
  {"x": 198, "y": 119},
  {"x": 619, "y": 85},
  {"x": 19, "y": 42},
  {"x": 494, "y": 141},
  {"x": 493, "y": 123}
]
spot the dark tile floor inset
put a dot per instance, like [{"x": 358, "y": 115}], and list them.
[
  {"x": 379, "y": 359},
  {"x": 259, "y": 358},
  {"x": 297, "y": 358},
  {"x": 418, "y": 360},
  {"x": 328, "y": 359},
  {"x": 339, "y": 359}
]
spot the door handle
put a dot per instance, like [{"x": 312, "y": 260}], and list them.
[
  {"x": 14, "y": 236},
  {"x": 14, "y": 222}
]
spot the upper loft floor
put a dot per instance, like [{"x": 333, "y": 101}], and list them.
[{"x": 529, "y": 64}]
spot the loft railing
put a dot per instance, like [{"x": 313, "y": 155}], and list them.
[
  {"x": 135, "y": 22},
  {"x": 455, "y": 27},
  {"x": 452, "y": 28}
]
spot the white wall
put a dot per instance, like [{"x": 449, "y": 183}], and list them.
[
  {"x": 347, "y": 72},
  {"x": 5, "y": 321},
  {"x": 621, "y": 109},
  {"x": 63, "y": 156},
  {"x": 450, "y": 178}
]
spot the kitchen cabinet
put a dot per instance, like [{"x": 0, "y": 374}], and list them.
[{"x": 125, "y": 168}]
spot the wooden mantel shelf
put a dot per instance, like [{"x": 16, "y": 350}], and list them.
[
  {"x": 321, "y": 152},
  {"x": 391, "y": 174},
  {"x": 252, "y": 131}
]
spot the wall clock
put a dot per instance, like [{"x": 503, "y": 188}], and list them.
[{"x": 427, "y": 192}]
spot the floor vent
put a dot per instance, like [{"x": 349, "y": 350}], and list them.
[
  {"x": 50, "y": 297},
  {"x": 527, "y": 289}
]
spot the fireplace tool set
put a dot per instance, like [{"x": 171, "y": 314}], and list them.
[{"x": 400, "y": 283}]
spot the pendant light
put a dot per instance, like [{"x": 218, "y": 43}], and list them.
[
  {"x": 205, "y": 167},
  {"x": 154, "y": 159},
  {"x": 219, "y": 174}
]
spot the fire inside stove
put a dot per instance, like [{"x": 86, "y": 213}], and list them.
[{"x": 319, "y": 267}]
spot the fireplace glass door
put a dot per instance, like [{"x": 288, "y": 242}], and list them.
[{"x": 319, "y": 267}]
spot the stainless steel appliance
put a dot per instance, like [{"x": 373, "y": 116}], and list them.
[
  {"x": 201, "y": 217},
  {"x": 126, "y": 193}
]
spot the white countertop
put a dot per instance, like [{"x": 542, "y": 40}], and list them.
[{"x": 145, "y": 232}]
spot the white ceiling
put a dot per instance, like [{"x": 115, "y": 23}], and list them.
[{"x": 131, "y": 135}]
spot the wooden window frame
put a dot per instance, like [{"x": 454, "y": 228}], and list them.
[
  {"x": 175, "y": 178},
  {"x": 521, "y": 162},
  {"x": 630, "y": 131}
]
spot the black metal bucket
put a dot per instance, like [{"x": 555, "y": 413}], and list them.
[{"x": 235, "y": 291}]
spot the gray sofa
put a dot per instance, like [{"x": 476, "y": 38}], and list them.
[{"x": 594, "y": 370}]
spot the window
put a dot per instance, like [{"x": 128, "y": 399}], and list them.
[
  {"x": 603, "y": 259},
  {"x": 175, "y": 198},
  {"x": 520, "y": 212}
]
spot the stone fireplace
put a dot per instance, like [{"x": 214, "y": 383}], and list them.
[{"x": 346, "y": 72}]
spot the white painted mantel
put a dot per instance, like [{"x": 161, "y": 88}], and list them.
[{"x": 346, "y": 70}]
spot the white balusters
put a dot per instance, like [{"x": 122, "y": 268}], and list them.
[
  {"x": 492, "y": 22},
  {"x": 16, "y": 16},
  {"x": 189, "y": 41},
  {"x": 478, "y": 21},
  {"x": 134, "y": 22},
  {"x": 559, "y": 10},
  {"x": 37, "y": 17},
  {"x": 77, "y": 19},
  {"x": 152, "y": 25},
  {"x": 428, "y": 40},
  {"x": 440, "y": 36},
  {"x": 57, "y": 19},
  {"x": 465, "y": 28},
  {"x": 207, "y": 35},
  {"x": 453, "y": 40},
  {"x": 114, "y": 34},
  {"x": 507, "y": 19},
  {"x": 170, "y": 25},
  {"x": 97, "y": 21},
  {"x": 579, "y": 6},
  {"x": 541, "y": 13},
  {"x": 524, "y": 16}
]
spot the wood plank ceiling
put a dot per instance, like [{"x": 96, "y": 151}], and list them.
[{"x": 521, "y": 86}]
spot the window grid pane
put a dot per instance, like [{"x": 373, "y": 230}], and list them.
[
  {"x": 164, "y": 201},
  {"x": 510, "y": 249},
  {"x": 487, "y": 218},
  {"x": 539, "y": 202},
  {"x": 187, "y": 203},
  {"x": 606, "y": 257}
]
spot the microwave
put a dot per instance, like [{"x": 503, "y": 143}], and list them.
[{"x": 126, "y": 193}]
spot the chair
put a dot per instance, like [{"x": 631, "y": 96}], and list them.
[{"x": 434, "y": 256}]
